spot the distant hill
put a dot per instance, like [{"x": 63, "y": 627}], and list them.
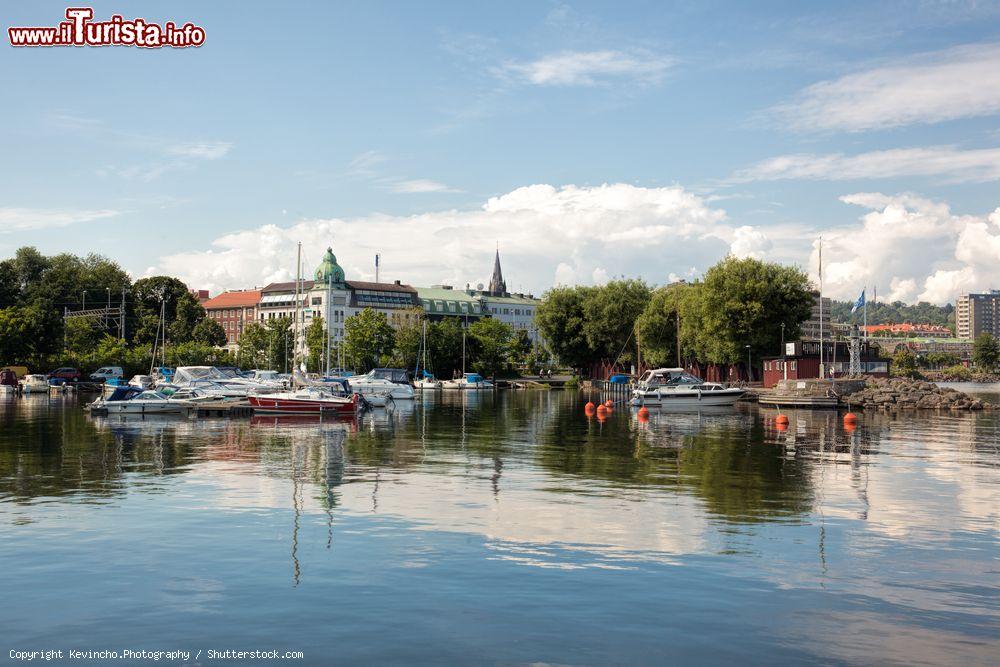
[{"x": 896, "y": 312}]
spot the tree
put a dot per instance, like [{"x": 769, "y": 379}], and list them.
[
  {"x": 147, "y": 294},
  {"x": 82, "y": 335},
  {"x": 316, "y": 344},
  {"x": 904, "y": 362},
  {"x": 444, "y": 341},
  {"x": 254, "y": 347},
  {"x": 560, "y": 317},
  {"x": 492, "y": 345},
  {"x": 658, "y": 324},
  {"x": 209, "y": 332},
  {"x": 408, "y": 340},
  {"x": 610, "y": 313},
  {"x": 986, "y": 351},
  {"x": 368, "y": 338},
  {"x": 745, "y": 302}
]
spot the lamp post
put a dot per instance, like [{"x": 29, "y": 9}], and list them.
[{"x": 749, "y": 371}]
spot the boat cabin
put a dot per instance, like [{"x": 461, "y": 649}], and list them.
[
  {"x": 396, "y": 375},
  {"x": 668, "y": 377}
]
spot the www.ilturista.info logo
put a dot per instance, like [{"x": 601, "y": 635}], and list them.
[{"x": 80, "y": 30}]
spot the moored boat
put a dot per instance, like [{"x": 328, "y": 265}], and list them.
[
  {"x": 38, "y": 384},
  {"x": 676, "y": 387},
  {"x": 306, "y": 400},
  {"x": 134, "y": 400},
  {"x": 468, "y": 381}
]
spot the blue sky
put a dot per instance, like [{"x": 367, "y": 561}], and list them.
[{"x": 589, "y": 140}]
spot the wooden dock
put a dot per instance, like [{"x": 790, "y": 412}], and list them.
[{"x": 223, "y": 409}]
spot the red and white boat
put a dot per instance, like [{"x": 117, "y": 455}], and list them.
[{"x": 304, "y": 401}]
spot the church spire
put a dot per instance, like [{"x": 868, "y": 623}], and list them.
[{"x": 497, "y": 285}]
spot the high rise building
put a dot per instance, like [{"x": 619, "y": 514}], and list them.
[{"x": 976, "y": 314}]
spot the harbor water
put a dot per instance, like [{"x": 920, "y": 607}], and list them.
[{"x": 504, "y": 529}]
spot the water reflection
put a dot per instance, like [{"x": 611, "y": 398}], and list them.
[{"x": 527, "y": 481}]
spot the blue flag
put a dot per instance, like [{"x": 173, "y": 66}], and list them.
[{"x": 860, "y": 303}]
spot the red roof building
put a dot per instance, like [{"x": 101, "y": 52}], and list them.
[
  {"x": 908, "y": 330},
  {"x": 233, "y": 310}
]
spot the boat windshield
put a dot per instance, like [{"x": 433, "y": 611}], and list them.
[{"x": 397, "y": 375}]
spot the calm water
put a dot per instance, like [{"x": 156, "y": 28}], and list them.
[{"x": 504, "y": 531}]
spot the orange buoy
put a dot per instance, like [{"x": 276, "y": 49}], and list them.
[
  {"x": 781, "y": 419},
  {"x": 601, "y": 410},
  {"x": 643, "y": 415},
  {"x": 589, "y": 408},
  {"x": 850, "y": 418},
  {"x": 609, "y": 404},
  {"x": 850, "y": 427},
  {"x": 781, "y": 426}
]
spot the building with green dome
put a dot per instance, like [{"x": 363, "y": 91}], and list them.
[{"x": 329, "y": 272}]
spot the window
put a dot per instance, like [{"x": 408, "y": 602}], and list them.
[{"x": 317, "y": 301}]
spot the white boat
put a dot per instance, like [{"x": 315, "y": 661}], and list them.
[
  {"x": 473, "y": 381},
  {"x": 133, "y": 401},
  {"x": 211, "y": 381},
  {"x": 392, "y": 382},
  {"x": 428, "y": 382},
  {"x": 676, "y": 387},
  {"x": 38, "y": 384}
]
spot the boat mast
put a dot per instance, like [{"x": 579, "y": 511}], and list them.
[
  {"x": 822, "y": 370},
  {"x": 329, "y": 287},
  {"x": 298, "y": 306}
]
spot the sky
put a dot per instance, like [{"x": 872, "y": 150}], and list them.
[{"x": 586, "y": 141}]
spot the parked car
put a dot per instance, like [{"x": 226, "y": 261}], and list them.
[
  {"x": 105, "y": 373},
  {"x": 66, "y": 373}
]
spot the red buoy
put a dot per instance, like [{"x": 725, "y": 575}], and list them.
[
  {"x": 589, "y": 408},
  {"x": 643, "y": 414},
  {"x": 850, "y": 418},
  {"x": 609, "y": 404},
  {"x": 781, "y": 419}
]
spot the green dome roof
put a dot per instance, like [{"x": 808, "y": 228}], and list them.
[{"x": 328, "y": 270}]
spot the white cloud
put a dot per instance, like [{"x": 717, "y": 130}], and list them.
[
  {"x": 962, "y": 82},
  {"x": 547, "y": 236},
  {"x": 420, "y": 186},
  {"x": 950, "y": 162},
  {"x": 202, "y": 150},
  {"x": 750, "y": 242},
  {"x": 589, "y": 68},
  {"x": 27, "y": 219},
  {"x": 911, "y": 249}
]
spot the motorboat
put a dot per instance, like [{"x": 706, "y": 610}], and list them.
[
  {"x": 676, "y": 387},
  {"x": 134, "y": 400},
  {"x": 468, "y": 381},
  {"x": 305, "y": 400},
  {"x": 38, "y": 384},
  {"x": 394, "y": 382}
]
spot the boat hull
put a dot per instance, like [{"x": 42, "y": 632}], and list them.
[
  {"x": 303, "y": 406},
  {"x": 687, "y": 399},
  {"x": 144, "y": 408}
]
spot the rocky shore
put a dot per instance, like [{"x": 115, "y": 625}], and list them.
[{"x": 904, "y": 393}]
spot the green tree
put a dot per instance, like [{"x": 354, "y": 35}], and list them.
[
  {"x": 82, "y": 335},
  {"x": 444, "y": 340},
  {"x": 316, "y": 344},
  {"x": 147, "y": 294},
  {"x": 610, "y": 314},
  {"x": 408, "y": 339},
  {"x": 368, "y": 338},
  {"x": 745, "y": 302},
  {"x": 560, "y": 318},
  {"x": 904, "y": 363},
  {"x": 986, "y": 352},
  {"x": 255, "y": 342},
  {"x": 657, "y": 326},
  {"x": 492, "y": 346},
  {"x": 209, "y": 332}
]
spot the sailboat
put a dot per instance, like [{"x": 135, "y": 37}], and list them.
[
  {"x": 468, "y": 380},
  {"x": 424, "y": 380}
]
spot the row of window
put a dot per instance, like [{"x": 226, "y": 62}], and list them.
[
  {"x": 778, "y": 365},
  {"x": 228, "y": 313},
  {"x": 507, "y": 311}
]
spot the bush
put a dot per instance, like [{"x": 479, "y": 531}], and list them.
[{"x": 957, "y": 372}]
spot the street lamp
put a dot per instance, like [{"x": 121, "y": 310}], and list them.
[{"x": 749, "y": 371}]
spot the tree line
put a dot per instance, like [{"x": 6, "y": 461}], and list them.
[
  {"x": 37, "y": 290},
  {"x": 895, "y": 312},
  {"x": 738, "y": 303}
]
